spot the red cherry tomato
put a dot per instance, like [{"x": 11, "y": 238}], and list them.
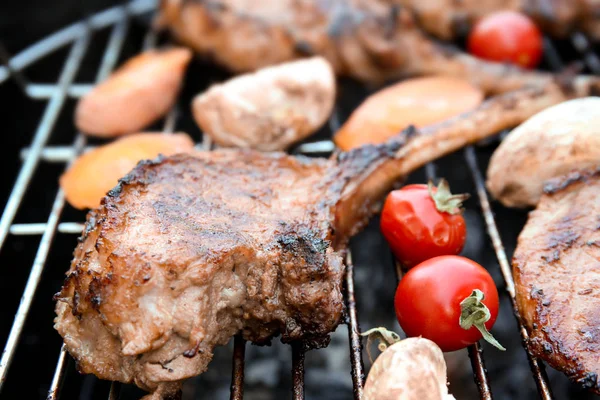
[
  {"x": 419, "y": 226},
  {"x": 428, "y": 300},
  {"x": 507, "y": 36}
]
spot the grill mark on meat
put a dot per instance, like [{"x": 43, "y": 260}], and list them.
[
  {"x": 555, "y": 256},
  {"x": 563, "y": 237},
  {"x": 558, "y": 184},
  {"x": 556, "y": 272},
  {"x": 308, "y": 246}
]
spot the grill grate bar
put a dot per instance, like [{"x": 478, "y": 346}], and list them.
[
  {"x": 298, "y": 353},
  {"x": 55, "y": 105},
  {"x": 171, "y": 121},
  {"x": 41, "y": 137},
  {"x": 582, "y": 45},
  {"x": 40, "y": 228},
  {"x": 111, "y": 54},
  {"x": 115, "y": 390},
  {"x": 55, "y": 154},
  {"x": 17, "y": 75},
  {"x": 475, "y": 351},
  {"x": 237, "y": 373},
  {"x": 354, "y": 340},
  {"x": 539, "y": 373},
  {"x": 41, "y": 91},
  {"x": 59, "y": 373},
  {"x": 320, "y": 147},
  {"x": 73, "y": 32},
  {"x": 551, "y": 55},
  {"x": 479, "y": 372},
  {"x": 356, "y": 361},
  {"x": 32, "y": 283}
]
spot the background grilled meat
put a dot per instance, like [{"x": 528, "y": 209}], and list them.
[
  {"x": 449, "y": 18},
  {"x": 557, "y": 272},
  {"x": 371, "y": 40}
]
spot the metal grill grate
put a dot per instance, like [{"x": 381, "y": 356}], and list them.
[{"x": 78, "y": 37}]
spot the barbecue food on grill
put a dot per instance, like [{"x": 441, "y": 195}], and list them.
[
  {"x": 135, "y": 95},
  {"x": 552, "y": 143},
  {"x": 270, "y": 109},
  {"x": 190, "y": 249},
  {"x": 449, "y": 18},
  {"x": 371, "y": 40},
  {"x": 94, "y": 173},
  {"x": 409, "y": 369},
  {"x": 556, "y": 267},
  {"x": 419, "y": 102}
]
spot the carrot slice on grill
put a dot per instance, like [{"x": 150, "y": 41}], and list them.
[
  {"x": 419, "y": 102},
  {"x": 135, "y": 95},
  {"x": 94, "y": 173}
]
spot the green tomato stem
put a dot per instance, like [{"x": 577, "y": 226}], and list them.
[
  {"x": 444, "y": 200},
  {"x": 474, "y": 313},
  {"x": 386, "y": 338}
]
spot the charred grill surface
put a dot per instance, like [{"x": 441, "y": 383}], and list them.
[{"x": 557, "y": 274}]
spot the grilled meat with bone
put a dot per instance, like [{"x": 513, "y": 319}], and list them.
[
  {"x": 190, "y": 249},
  {"x": 371, "y": 40},
  {"x": 447, "y": 19},
  {"x": 557, "y": 274}
]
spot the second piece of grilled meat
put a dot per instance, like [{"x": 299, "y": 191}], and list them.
[
  {"x": 371, "y": 40},
  {"x": 450, "y": 18},
  {"x": 190, "y": 249},
  {"x": 557, "y": 274}
]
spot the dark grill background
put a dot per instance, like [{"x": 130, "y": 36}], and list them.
[{"x": 267, "y": 368}]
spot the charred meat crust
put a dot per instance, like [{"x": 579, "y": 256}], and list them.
[
  {"x": 557, "y": 277},
  {"x": 181, "y": 255},
  {"x": 561, "y": 183}
]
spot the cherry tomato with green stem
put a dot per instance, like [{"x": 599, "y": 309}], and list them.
[
  {"x": 422, "y": 221},
  {"x": 449, "y": 300}
]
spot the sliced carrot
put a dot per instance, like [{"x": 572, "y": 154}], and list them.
[
  {"x": 135, "y": 95},
  {"x": 96, "y": 172},
  {"x": 419, "y": 102}
]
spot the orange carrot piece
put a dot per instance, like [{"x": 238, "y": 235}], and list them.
[
  {"x": 419, "y": 102},
  {"x": 135, "y": 95},
  {"x": 96, "y": 172}
]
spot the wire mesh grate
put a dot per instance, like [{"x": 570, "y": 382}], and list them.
[{"x": 78, "y": 37}]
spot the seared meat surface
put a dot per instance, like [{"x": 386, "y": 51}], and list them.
[
  {"x": 190, "y": 249},
  {"x": 557, "y": 272},
  {"x": 371, "y": 40},
  {"x": 447, "y": 19}
]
